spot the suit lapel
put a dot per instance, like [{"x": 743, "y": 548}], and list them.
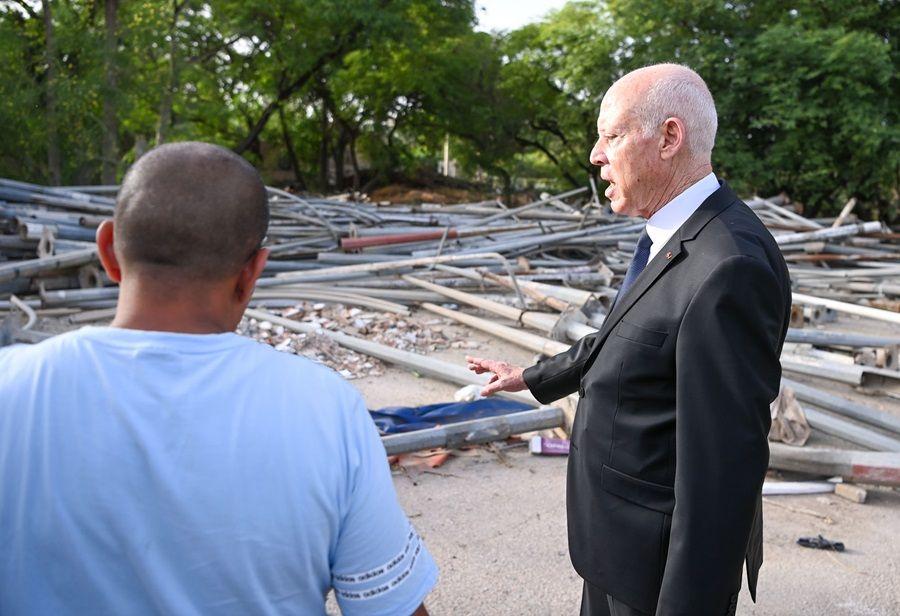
[
  {"x": 654, "y": 270},
  {"x": 670, "y": 254}
]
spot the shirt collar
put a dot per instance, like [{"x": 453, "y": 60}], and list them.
[{"x": 663, "y": 224}]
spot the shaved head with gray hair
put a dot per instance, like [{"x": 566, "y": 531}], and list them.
[
  {"x": 677, "y": 91},
  {"x": 190, "y": 210}
]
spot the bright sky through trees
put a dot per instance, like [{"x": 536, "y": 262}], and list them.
[{"x": 511, "y": 14}]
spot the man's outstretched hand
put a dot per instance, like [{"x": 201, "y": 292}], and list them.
[{"x": 504, "y": 377}]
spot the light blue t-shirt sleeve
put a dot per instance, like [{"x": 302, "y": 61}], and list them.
[{"x": 380, "y": 565}]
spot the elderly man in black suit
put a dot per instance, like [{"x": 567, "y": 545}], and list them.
[{"x": 669, "y": 446}]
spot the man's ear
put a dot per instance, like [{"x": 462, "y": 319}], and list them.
[
  {"x": 249, "y": 274},
  {"x": 673, "y": 138},
  {"x": 106, "y": 251}
]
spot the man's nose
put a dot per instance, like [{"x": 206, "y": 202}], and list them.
[{"x": 598, "y": 156}]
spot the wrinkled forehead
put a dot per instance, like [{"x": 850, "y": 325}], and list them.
[{"x": 616, "y": 109}]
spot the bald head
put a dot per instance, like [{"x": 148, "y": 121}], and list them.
[
  {"x": 191, "y": 210},
  {"x": 661, "y": 91},
  {"x": 655, "y": 134}
]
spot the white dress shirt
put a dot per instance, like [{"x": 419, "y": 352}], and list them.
[{"x": 667, "y": 220}]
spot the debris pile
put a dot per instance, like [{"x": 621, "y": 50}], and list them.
[
  {"x": 344, "y": 277},
  {"x": 381, "y": 327}
]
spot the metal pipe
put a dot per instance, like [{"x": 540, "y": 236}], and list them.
[
  {"x": 881, "y": 468},
  {"x": 786, "y": 213},
  {"x": 591, "y": 233},
  {"x": 847, "y": 408},
  {"x": 829, "y": 234},
  {"x": 849, "y": 339},
  {"x": 29, "y": 230},
  {"x": 353, "y": 271},
  {"x": 90, "y": 316},
  {"x": 29, "y": 312},
  {"x": 407, "y": 295},
  {"x": 797, "y": 272},
  {"x": 535, "y": 290},
  {"x": 334, "y": 297},
  {"x": 74, "y": 296},
  {"x": 519, "y": 210},
  {"x": 859, "y": 435},
  {"x": 32, "y": 267},
  {"x": 356, "y": 243},
  {"x": 539, "y": 320},
  {"x": 519, "y": 337},
  {"x": 861, "y": 376},
  {"x": 863, "y": 311},
  {"x": 464, "y": 433}
]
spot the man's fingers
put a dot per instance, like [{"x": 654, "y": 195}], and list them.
[
  {"x": 475, "y": 364},
  {"x": 494, "y": 385},
  {"x": 488, "y": 390},
  {"x": 480, "y": 366},
  {"x": 490, "y": 364},
  {"x": 475, "y": 361}
]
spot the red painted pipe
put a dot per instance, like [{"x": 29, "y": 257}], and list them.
[{"x": 355, "y": 243}]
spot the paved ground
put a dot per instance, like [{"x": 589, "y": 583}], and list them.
[{"x": 497, "y": 529}]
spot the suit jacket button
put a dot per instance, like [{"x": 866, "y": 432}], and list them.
[{"x": 581, "y": 391}]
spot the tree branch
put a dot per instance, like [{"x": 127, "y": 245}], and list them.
[
  {"x": 24, "y": 6},
  {"x": 539, "y": 146},
  {"x": 285, "y": 92}
]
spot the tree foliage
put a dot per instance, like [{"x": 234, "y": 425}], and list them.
[{"x": 329, "y": 95}]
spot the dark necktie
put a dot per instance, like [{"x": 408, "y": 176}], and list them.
[{"x": 638, "y": 263}]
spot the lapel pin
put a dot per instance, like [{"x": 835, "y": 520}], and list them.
[{"x": 669, "y": 255}]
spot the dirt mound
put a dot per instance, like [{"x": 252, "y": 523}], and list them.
[{"x": 400, "y": 193}]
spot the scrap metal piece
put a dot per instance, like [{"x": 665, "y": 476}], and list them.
[{"x": 820, "y": 543}]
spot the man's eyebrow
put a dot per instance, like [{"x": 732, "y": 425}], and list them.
[{"x": 616, "y": 128}]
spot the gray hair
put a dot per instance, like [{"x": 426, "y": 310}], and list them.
[{"x": 683, "y": 94}]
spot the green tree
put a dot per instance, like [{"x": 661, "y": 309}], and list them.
[
  {"x": 803, "y": 90},
  {"x": 557, "y": 70}
]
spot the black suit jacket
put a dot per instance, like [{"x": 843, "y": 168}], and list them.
[{"x": 669, "y": 444}]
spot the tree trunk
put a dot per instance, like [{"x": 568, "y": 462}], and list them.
[
  {"x": 323, "y": 150},
  {"x": 338, "y": 156},
  {"x": 140, "y": 146},
  {"x": 559, "y": 165},
  {"x": 507, "y": 182},
  {"x": 110, "y": 119},
  {"x": 292, "y": 154},
  {"x": 54, "y": 167},
  {"x": 53, "y": 157},
  {"x": 168, "y": 95},
  {"x": 355, "y": 161}
]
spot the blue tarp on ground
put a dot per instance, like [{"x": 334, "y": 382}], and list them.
[{"x": 396, "y": 419}]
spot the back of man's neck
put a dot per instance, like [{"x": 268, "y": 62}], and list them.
[{"x": 149, "y": 308}]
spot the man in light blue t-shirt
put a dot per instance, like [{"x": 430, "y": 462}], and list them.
[{"x": 167, "y": 465}]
